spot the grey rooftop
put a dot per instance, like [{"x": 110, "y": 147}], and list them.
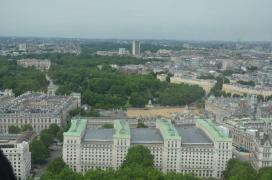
[
  {"x": 192, "y": 135},
  {"x": 146, "y": 135},
  {"x": 98, "y": 134}
]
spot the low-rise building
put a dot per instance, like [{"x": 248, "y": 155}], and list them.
[
  {"x": 202, "y": 149},
  {"x": 205, "y": 84}
]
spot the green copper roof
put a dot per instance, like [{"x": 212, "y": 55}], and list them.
[
  {"x": 121, "y": 129},
  {"x": 168, "y": 130},
  {"x": 213, "y": 131},
  {"x": 211, "y": 98},
  {"x": 77, "y": 127}
]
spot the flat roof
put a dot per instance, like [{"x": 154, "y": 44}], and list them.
[
  {"x": 146, "y": 135},
  {"x": 192, "y": 135},
  {"x": 98, "y": 134}
]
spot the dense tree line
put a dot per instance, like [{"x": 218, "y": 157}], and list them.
[
  {"x": 15, "y": 129},
  {"x": 20, "y": 79},
  {"x": 212, "y": 77},
  {"x": 217, "y": 89},
  {"x": 82, "y": 112},
  {"x": 237, "y": 170},
  {"x": 247, "y": 83},
  {"x": 105, "y": 87},
  {"x": 252, "y": 68},
  {"x": 39, "y": 147}
]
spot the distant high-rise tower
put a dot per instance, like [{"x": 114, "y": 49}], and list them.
[{"x": 136, "y": 51}]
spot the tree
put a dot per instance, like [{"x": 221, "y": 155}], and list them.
[
  {"x": 39, "y": 151},
  {"x": 265, "y": 173},
  {"x": 13, "y": 129},
  {"x": 141, "y": 125},
  {"x": 27, "y": 127},
  {"x": 107, "y": 125},
  {"x": 168, "y": 78},
  {"x": 138, "y": 155},
  {"x": 239, "y": 171},
  {"x": 46, "y": 137},
  {"x": 54, "y": 129},
  {"x": 247, "y": 83},
  {"x": 20, "y": 79},
  {"x": 55, "y": 166},
  {"x": 137, "y": 100},
  {"x": 201, "y": 104},
  {"x": 68, "y": 174},
  {"x": 59, "y": 135},
  {"x": 47, "y": 175},
  {"x": 217, "y": 89},
  {"x": 173, "y": 176},
  {"x": 99, "y": 174}
]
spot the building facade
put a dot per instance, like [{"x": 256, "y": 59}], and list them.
[
  {"x": 202, "y": 149},
  {"x": 16, "y": 149},
  {"x": 207, "y": 85},
  {"x": 37, "y": 109},
  {"x": 136, "y": 48},
  {"x": 40, "y": 64},
  {"x": 253, "y": 136}
]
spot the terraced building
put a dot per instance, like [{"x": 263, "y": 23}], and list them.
[{"x": 202, "y": 149}]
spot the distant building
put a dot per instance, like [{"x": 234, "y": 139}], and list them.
[
  {"x": 226, "y": 64},
  {"x": 123, "y": 52},
  {"x": 107, "y": 53},
  {"x": 162, "y": 77},
  {"x": 241, "y": 90},
  {"x": 136, "y": 48},
  {"x": 205, "y": 84},
  {"x": 202, "y": 149},
  {"x": 22, "y": 47},
  {"x": 36, "y": 109},
  {"x": 40, "y": 64},
  {"x": 253, "y": 136},
  {"x": 7, "y": 92},
  {"x": 16, "y": 149}
]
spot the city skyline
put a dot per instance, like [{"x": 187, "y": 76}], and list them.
[{"x": 180, "y": 20}]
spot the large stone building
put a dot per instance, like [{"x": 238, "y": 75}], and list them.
[
  {"x": 40, "y": 64},
  {"x": 36, "y": 109},
  {"x": 202, "y": 149},
  {"x": 241, "y": 90},
  {"x": 249, "y": 106},
  {"x": 254, "y": 136},
  {"x": 205, "y": 84},
  {"x": 16, "y": 149}
]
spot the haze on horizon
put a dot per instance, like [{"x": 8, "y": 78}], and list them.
[{"x": 231, "y": 20}]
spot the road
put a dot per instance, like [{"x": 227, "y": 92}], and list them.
[{"x": 57, "y": 152}]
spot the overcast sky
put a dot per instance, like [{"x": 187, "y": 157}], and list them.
[{"x": 141, "y": 19}]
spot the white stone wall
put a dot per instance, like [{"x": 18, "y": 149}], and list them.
[
  {"x": 37, "y": 122},
  {"x": 20, "y": 159}
]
